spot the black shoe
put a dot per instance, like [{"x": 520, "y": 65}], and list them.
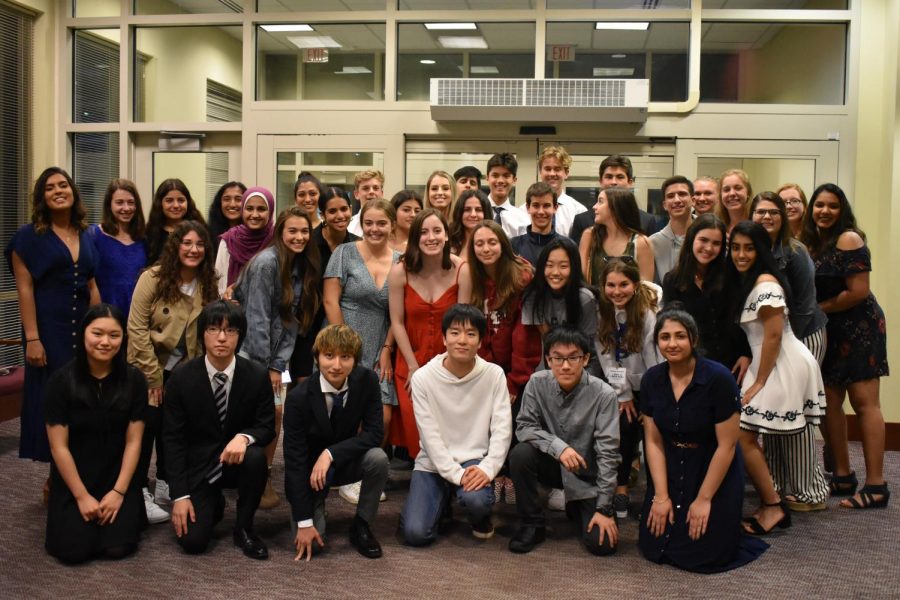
[
  {"x": 526, "y": 538},
  {"x": 250, "y": 544},
  {"x": 483, "y": 529},
  {"x": 362, "y": 538}
]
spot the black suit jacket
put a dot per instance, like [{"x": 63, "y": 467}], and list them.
[
  {"x": 193, "y": 436},
  {"x": 308, "y": 431}
]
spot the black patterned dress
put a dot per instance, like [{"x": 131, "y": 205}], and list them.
[{"x": 857, "y": 338}]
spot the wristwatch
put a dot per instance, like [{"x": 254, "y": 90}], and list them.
[{"x": 607, "y": 511}]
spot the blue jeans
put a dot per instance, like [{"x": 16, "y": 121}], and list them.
[{"x": 428, "y": 495}]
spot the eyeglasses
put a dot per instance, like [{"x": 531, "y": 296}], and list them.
[
  {"x": 559, "y": 360},
  {"x": 794, "y": 201},
  {"x": 187, "y": 245},
  {"x": 762, "y": 212},
  {"x": 215, "y": 330}
]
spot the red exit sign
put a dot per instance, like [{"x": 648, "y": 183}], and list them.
[{"x": 561, "y": 53}]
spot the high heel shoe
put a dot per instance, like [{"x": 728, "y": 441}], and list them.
[
  {"x": 843, "y": 485},
  {"x": 867, "y": 497},
  {"x": 757, "y": 529}
]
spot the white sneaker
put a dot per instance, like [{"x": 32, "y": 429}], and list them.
[
  {"x": 161, "y": 492},
  {"x": 556, "y": 500},
  {"x": 155, "y": 513},
  {"x": 350, "y": 492}
]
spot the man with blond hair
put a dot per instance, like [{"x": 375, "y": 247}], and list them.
[
  {"x": 554, "y": 164},
  {"x": 367, "y": 185}
]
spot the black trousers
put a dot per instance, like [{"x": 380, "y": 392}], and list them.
[
  {"x": 249, "y": 478},
  {"x": 152, "y": 436},
  {"x": 630, "y": 435},
  {"x": 528, "y": 467}
]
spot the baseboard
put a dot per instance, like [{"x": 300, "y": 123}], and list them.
[{"x": 891, "y": 433}]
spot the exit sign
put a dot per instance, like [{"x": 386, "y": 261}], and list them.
[
  {"x": 315, "y": 55},
  {"x": 561, "y": 53}
]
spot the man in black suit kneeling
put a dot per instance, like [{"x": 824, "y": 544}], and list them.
[
  {"x": 219, "y": 415},
  {"x": 332, "y": 432}
]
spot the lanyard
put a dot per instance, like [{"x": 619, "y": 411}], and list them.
[{"x": 621, "y": 352}]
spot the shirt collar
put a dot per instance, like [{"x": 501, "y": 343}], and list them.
[
  {"x": 229, "y": 370},
  {"x": 327, "y": 388},
  {"x": 577, "y": 388},
  {"x": 505, "y": 206}
]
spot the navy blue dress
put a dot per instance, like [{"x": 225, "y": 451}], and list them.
[
  {"x": 118, "y": 268},
  {"x": 712, "y": 397},
  {"x": 61, "y": 297}
]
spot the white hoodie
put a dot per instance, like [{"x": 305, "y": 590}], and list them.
[{"x": 461, "y": 419}]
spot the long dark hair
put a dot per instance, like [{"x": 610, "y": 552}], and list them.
[
  {"x": 512, "y": 271},
  {"x": 624, "y": 211},
  {"x": 40, "y": 212},
  {"x": 217, "y": 222},
  {"x": 83, "y": 385},
  {"x": 686, "y": 270},
  {"x": 308, "y": 263},
  {"x": 156, "y": 220},
  {"x": 457, "y": 230},
  {"x": 137, "y": 228},
  {"x": 168, "y": 287},
  {"x": 820, "y": 241},
  {"x": 540, "y": 294},
  {"x": 644, "y": 299},
  {"x": 412, "y": 258},
  {"x": 743, "y": 283}
]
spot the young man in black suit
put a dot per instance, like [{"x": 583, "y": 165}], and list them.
[
  {"x": 333, "y": 429},
  {"x": 219, "y": 415}
]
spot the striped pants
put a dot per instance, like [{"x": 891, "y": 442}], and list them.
[{"x": 792, "y": 459}]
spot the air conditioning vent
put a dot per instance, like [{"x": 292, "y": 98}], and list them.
[{"x": 539, "y": 99}]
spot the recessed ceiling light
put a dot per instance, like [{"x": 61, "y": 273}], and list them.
[
  {"x": 353, "y": 71},
  {"x": 630, "y": 25},
  {"x": 489, "y": 70},
  {"x": 449, "y": 26},
  {"x": 462, "y": 42},
  {"x": 426, "y": 61},
  {"x": 288, "y": 27},
  {"x": 618, "y": 56},
  {"x": 612, "y": 72},
  {"x": 313, "y": 41}
]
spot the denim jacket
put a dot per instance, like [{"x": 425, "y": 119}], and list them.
[{"x": 269, "y": 340}]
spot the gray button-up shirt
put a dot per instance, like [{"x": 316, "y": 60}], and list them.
[{"x": 586, "y": 419}]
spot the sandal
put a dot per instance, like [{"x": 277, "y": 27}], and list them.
[
  {"x": 757, "y": 529},
  {"x": 797, "y": 505},
  {"x": 843, "y": 485},
  {"x": 867, "y": 497}
]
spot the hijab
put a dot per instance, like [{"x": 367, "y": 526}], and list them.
[{"x": 242, "y": 242}]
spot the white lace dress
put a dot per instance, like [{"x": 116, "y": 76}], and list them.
[{"x": 793, "y": 394}]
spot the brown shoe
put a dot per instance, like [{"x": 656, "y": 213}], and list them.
[{"x": 269, "y": 498}]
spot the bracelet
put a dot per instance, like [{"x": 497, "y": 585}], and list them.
[
  {"x": 118, "y": 492},
  {"x": 655, "y": 501},
  {"x": 37, "y": 339},
  {"x": 388, "y": 346}
]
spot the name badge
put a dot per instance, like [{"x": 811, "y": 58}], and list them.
[{"x": 616, "y": 376}]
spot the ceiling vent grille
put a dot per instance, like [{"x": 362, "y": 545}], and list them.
[{"x": 539, "y": 99}]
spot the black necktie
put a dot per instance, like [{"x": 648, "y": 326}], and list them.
[
  {"x": 337, "y": 404},
  {"x": 497, "y": 211},
  {"x": 219, "y": 382}
]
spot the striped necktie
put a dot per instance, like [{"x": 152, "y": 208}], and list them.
[
  {"x": 497, "y": 211},
  {"x": 219, "y": 381}
]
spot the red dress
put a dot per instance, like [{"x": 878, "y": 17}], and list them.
[{"x": 423, "y": 327}]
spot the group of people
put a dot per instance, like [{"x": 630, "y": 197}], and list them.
[{"x": 501, "y": 348}]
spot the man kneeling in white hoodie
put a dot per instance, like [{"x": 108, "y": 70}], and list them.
[{"x": 462, "y": 410}]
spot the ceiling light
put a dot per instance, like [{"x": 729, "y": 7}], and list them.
[
  {"x": 462, "y": 42},
  {"x": 426, "y": 61},
  {"x": 633, "y": 25},
  {"x": 313, "y": 41},
  {"x": 449, "y": 26},
  {"x": 490, "y": 70},
  {"x": 288, "y": 27},
  {"x": 613, "y": 72},
  {"x": 353, "y": 71},
  {"x": 619, "y": 56}
]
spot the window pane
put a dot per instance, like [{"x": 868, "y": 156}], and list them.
[
  {"x": 173, "y": 68},
  {"x": 96, "y": 8},
  {"x": 627, "y": 4},
  {"x": 334, "y": 61},
  {"x": 313, "y": 5},
  {"x": 773, "y": 63},
  {"x": 95, "y": 98},
  {"x": 333, "y": 169},
  {"x": 491, "y": 50},
  {"x": 170, "y": 7},
  {"x": 95, "y": 163},
  {"x": 778, "y": 4},
  {"x": 659, "y": 53},
  {"x": 465, "y": 4}
]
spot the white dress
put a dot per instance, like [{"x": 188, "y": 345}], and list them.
[{"x": 793, "y": 394}]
